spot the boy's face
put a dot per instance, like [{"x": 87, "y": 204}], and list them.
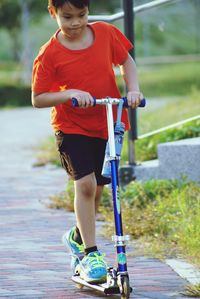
[{"x": 71, "y": 20}]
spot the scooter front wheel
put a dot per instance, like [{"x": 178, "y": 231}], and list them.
[{"x": 125, "y": 289}]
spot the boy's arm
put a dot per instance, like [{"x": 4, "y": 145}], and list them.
[
  {"x": 50, "y": 99},
  {"x": 129, "y": 73}
]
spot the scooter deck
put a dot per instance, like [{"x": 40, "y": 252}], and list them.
[{"x": 104, "y": 287}]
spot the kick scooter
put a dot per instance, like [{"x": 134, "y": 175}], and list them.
[{"x": 117, "y": 279}]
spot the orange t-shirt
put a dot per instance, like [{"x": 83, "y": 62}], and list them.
[{"x": 57, "y": 68}]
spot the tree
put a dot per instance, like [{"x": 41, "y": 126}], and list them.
[
  {"x": 10, "y": 19},
  {"x": 15, "y": 16}
]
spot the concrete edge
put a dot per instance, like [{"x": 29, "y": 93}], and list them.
[{"x": 185, "y": 270}]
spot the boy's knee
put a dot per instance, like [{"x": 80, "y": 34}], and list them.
[{"x": 87, "y": 186}]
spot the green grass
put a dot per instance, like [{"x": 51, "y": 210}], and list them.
[
  {"x": 47, "y": 153},
  {"x": 164, "y": 111},
  {"x": 10, "y": 72},
  {"x": 63, "y": 200},
  {"x": 163, "y": 80},
  {"x": 169, "y": 79},
  {"x": 166, "y": 216},
  {"x": 192, "y": 291}
]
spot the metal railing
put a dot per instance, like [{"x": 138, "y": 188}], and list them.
[
  {"x": 177, "y": 124},
  {"x": 137, "y": 9}
]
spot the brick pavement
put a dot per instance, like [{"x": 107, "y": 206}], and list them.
[{"x": 33, "y": 262}]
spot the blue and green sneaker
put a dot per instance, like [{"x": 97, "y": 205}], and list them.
[
  {"x": 93, "y": 268},
  {"x": 76, "y": 249}
]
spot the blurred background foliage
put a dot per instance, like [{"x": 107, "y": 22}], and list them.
[{"x": 168, "y": 30}]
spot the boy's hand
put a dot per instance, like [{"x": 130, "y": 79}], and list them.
[
  {"x": 84, "y": 98},
  {"x": 134, "y": 98}
]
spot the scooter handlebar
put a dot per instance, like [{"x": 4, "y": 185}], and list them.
[
  {"x": 106, "y": 100},
  {"x": 141, "y": 105}
]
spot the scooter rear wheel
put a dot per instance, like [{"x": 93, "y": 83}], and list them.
[{"x": 79, "y": 286}]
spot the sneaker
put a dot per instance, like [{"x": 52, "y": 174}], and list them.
[
  {"x": 76, "y": 249},
  {"x": 93, "y": 268}
]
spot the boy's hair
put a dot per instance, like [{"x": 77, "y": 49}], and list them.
[{"x": 76, "y": 3}]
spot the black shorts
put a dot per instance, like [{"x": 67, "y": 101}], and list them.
[{"x": 81, "y": 155}]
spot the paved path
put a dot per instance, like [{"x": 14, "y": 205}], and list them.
[{"x": 33, "y": 262}]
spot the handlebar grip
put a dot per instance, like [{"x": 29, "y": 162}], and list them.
[
  {"x": 142, "y": 103},
  {"x": 125, "y": 105},
  {"x": 76, "y": 104}
]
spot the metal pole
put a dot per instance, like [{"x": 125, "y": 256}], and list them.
[{"x": 129, "y": 32}]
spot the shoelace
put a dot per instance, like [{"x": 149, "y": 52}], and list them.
[{"x": 96, "y": 260}]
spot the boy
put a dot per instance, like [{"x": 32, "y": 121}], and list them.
[{"x": 78, "y": 62}]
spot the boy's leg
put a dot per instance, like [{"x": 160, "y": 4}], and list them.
[
  {"x": 82, "y": 157},
  {"x": 98, "y": 195},
  {"x": 92, "y": 267},
  {"x": 77, "y": 235},
  {"x": 84, "y": 205}
]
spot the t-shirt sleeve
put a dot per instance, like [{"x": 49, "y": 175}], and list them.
[
  {"x": 43, "y": 72},
  {"x": 120, "y": 46}
]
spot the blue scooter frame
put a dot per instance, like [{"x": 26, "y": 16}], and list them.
[
  {"x": 117, "y": 279},
  {"x": 119, "y": 238}
]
